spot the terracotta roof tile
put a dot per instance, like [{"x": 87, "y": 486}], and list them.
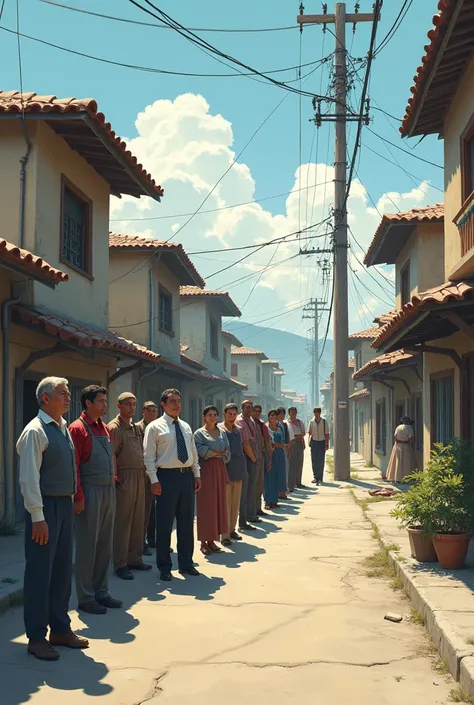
[
  {"x": 367, "y": 334},
  {"x": 438, "y": 295},
  {"x": 360, "y": 394},
  {"x": 210, "y": 293},
  {"x": 134, "y": 242},
  {"x": 233, "y": 339},
  {"x": 30, "y": 263},
  {"x": 382, "y": 361},
  {"x": 426, "y": 214},
  {"x": 14, "y": 103},
  {"x": 436, "y": 35},
  {"x": 247, "y": 351},
  {"x": 82, "y": 334},
  {"x": 191, "y": 361}
]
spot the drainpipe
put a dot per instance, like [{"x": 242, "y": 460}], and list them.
[
  {"x": 8, "y": 494},
  {"x": 371, "y": 424},
  {"x": 139, "y": 393},
  {"x": 23, "y": 163},
  {"x": 151, "y": 303}
]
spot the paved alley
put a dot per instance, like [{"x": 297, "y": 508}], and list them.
[{"x": 287, "y": 616}]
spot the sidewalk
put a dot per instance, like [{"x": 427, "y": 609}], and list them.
[
  {"x": 12, "y": 564},
  {"x": 445, "y": 599}
]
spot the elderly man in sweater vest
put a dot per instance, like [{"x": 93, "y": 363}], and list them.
[{"x": 48, "y": 484}]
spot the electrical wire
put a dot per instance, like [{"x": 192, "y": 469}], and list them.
[
  {"x": 366, "y": 270},
  {"x": 396, "y": 25},
  {"x": 164, "y": 26},
  {"x": 382, "y": 274},
  {"x": 397, "y": 146}
]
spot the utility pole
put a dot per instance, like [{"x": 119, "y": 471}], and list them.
[
  {"x": 313, "y": 310},
  {"x": 341, "y": 430}
]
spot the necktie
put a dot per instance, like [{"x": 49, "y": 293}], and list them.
[{"x": 183, "y": 456}]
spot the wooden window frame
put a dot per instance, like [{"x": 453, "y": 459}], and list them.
[
  {"x": 405, "y": 270},
  {"x": 88, "y": 239},
  {"x": 467, "y": 193},
  {"x": 214, "y": 340},
  {"x": 225, "y": 357},
  {"x": 436, "y": 376},
  {"x": 163, "y": 291},
  {"x": 258, "y": 374},
  {"x": 236, "y": 373},
  {"x": 381, "y": 442}
]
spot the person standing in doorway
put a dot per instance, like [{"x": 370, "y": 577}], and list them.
[
  {"x": 264, "y": 454},
  {"x": 149, "y": 414},
  {"x": 127, "y": 442},
  {"x": 48, "y": 483},
  {"x": 172, "y": 465},
  {"x": 214, "y": 454},
  {"x": 297, "y": 450},
  {"x": 248, "y": 509},
  {"x": 236, "y": 470},
  {"x": 94, "y": 503},
  {"x": 318, "y": 436}
]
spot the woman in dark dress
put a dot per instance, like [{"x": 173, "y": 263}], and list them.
[{"x": 214, "y": 452}]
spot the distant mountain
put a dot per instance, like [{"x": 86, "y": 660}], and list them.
[{"x": 289, "y": 349}]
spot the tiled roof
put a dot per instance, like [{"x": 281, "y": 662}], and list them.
[
  {"x": 449, "y": 50},
  {"x": 92, "y": 137},
  {"x": 247, "y": 351},
  {"x": 360, "y": 394},
  {"x": 135, "y": 242},
  {"x": 239, "y": 384},
  {"x": 31, "y": 264},
  {"x": 231, "y": 337},
  {"x": 438, "y": 295},
  {"x": 326, "y": 387},
  {"x": 382, "y": 361},
  {"x": 426, "y": 214},
  {"x": 224, "y": 297},
  {"x": 367, "y": 334},
  {"x": 190, "y": 361},
  {"x": 82, "y": 334},
  {"x": 384, "y": 318}
]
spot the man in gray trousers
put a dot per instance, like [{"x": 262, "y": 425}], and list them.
[{"x": 94, "y": 503}]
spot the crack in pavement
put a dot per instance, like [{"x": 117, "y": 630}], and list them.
[
  {"x": 154, "y": 690},
  {"x": 293, "y": 664}
]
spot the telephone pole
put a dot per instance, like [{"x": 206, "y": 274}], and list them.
[
  {"x": 340, "y": 302},
  {"x": 313, "y": 310}
]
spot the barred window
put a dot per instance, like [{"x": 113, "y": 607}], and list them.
[{"x": 76, "y": 231}]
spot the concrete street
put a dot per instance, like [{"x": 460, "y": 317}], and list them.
[{"x": 286, "y": 616}]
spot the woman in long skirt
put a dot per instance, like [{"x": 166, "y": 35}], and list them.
[
  {"x": 276, "y": 474},
  {"x": 297, "y": 449},
  {"x": 402, "y": 460},
  {"x": 214, "y": 452}
]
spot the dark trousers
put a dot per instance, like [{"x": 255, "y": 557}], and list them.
[
  {"x": 48, "y": 571},
  {"x": 248, "y": 505},
  {"x": 318, "y": 454},
  {"x": 150, "y": 517},
  {"x": 151, "y": 528},
  {"x": 175, "y": 502}
]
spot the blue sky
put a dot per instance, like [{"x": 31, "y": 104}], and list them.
[{"x": 235, "y": 108}]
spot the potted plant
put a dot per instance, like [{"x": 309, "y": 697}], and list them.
[
  {"x": 412, "y": 506},
  {"x": 449, "y": 483}
]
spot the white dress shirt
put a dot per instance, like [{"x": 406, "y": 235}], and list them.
[
  {"x": 159, "y": 447},
  {"x": 30, "y": 447}
]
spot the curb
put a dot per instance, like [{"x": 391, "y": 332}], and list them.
[
  {"x": 11, "y": 599},
  {"x": 458, "y": 655}
]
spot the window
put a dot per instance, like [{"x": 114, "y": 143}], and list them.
[
  {"x": 209, "y": 400},
  {"x": 399, "y": 412},
  {"x": 220, "y": 406},
  {"x": 193, "y": 413},
  {"x": 76, "y": 229},
  {"x": 442, "y": 407},
  {"x": 417, "y": 414},
  {"x": 405, "y": 291},
  {"x": 467, "y": 160},
  {"x": 224, "y": 363},
  {"x": 165, "y": 313},
  {"x": 234, "y": 369},
  {"x": 381, "y": 426},
  {"x": 258, "y": 374},
  {"x": 214, "y": 338},
  {"x": 358, "y": 361},
  {"x": 361, "y": 425}
]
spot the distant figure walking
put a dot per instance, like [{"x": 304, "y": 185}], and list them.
[
  {"x": 402, "y": 460},
  {"x": 318, "y": 434}
]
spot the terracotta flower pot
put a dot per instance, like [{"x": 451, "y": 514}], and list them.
[
  {"x": 421, "y": 546},
  {"x": 451, "y": 549}
]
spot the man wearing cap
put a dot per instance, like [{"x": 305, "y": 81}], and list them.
[
  {"x": 127, "y": 441},
  {"x": 149, "y": 413}
]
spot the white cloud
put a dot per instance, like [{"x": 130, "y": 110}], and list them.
[{"x": 187, "y": 150}]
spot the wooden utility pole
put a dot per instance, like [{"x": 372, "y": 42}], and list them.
[
  {"x": 339, "y": 19},
  {"x": 313, "y": 310}
]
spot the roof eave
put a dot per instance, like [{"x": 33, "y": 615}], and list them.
[{"x": 28, "y": 274}]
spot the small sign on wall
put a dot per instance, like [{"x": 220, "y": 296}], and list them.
[{"x": 342, "y": 404}]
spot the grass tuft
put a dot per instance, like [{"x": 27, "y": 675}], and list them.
[
  {"x": 470, "y": 640},
  {"x": 458, "y": 695},
  {"x": 417, "y": 618},
  {"x": 9, "y": 581}
]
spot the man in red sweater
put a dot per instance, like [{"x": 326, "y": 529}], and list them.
[{"x": 94, "y": 503}]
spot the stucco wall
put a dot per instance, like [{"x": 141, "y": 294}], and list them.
[
  {"x": 431, "y": 255},
  {"x": 128, "y": 298},
  {"x": 194, "y": 329},
  {"x": 461, "y": 110},
  {"x": 409, "y": 252},
  {"x": 81, "y": 297},
  {"x": 247, "y": 373}
]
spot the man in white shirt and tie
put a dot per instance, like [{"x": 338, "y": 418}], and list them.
[
  {"x": 172, "y": 465},
  {"x": 318, "y": 435}
]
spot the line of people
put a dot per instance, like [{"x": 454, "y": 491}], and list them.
[{"x": 118, "y": 489}]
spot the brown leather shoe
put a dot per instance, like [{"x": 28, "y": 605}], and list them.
[
  {"x": 69, "y": 639},
  {"x": 43, "y": 650}
]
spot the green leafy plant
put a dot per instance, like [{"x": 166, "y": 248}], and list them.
[{"x": 441, "y": 499}]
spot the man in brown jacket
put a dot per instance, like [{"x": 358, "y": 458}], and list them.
[{"x": 127, "y": 441}]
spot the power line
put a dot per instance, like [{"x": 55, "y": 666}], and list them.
[
  {"x": 363, "y": 252},
  {"x": 164, "y": 26},
  {"x": 396, "y": 25},
  {"x": 397, "y": 146}
]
